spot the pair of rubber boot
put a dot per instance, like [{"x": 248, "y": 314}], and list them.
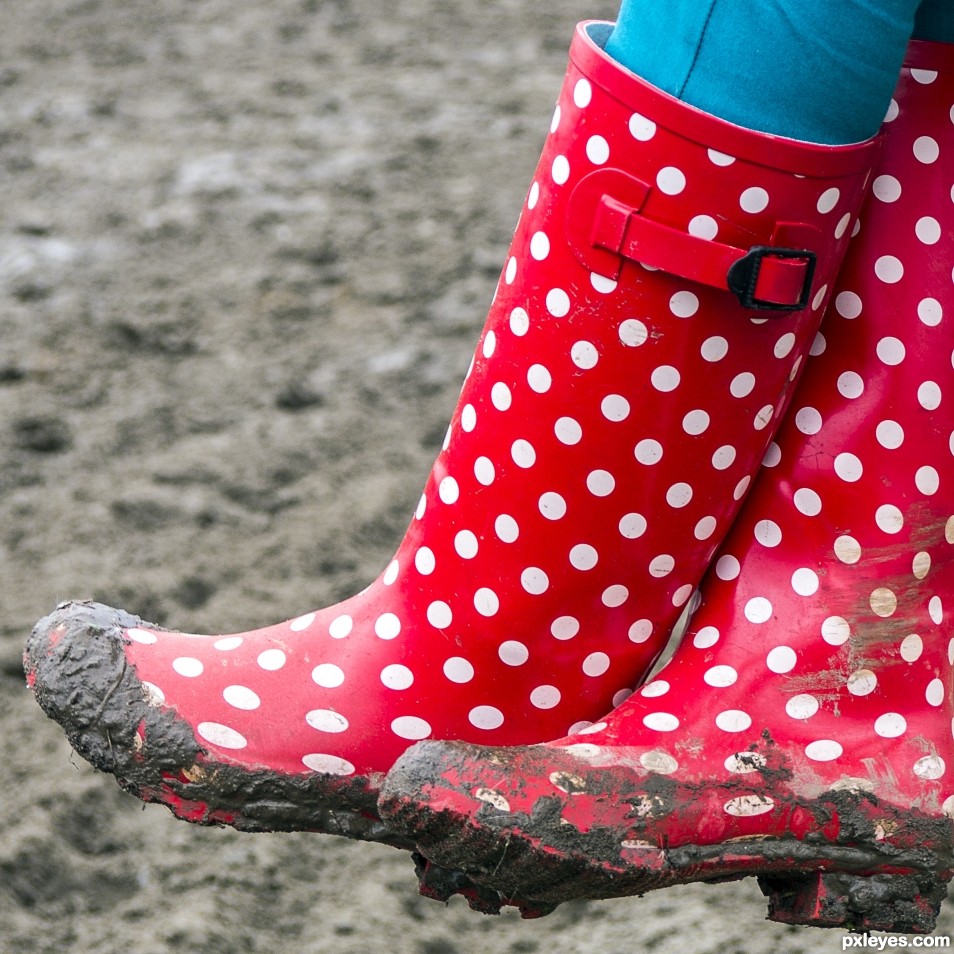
[{"x": 657, "y": 316}]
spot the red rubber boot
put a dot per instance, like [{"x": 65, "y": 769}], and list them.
[
  {"x": 607, "y": 430},
  {"x": 803, "y": 730}
]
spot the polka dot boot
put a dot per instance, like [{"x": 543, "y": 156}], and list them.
[
  {"x": 803, "y": 730},
  {"x": 666, "y": 277}
]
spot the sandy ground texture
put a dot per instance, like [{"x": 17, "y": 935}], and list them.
[{"x": 245, "y": 250}]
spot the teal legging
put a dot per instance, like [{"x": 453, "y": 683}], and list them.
[{"x": 815, "y": 70}]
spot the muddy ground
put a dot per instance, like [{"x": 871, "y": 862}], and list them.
[{"x": 245, "y": 250}]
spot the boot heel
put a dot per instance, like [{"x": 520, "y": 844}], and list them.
[{"x": 904, "y": 904}]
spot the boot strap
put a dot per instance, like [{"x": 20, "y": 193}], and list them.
[{"x": 606, "y": 225}]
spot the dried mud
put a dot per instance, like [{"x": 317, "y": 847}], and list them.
[{"x": 245, "y": 250}]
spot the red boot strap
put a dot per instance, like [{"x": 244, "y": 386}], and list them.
[{"x": 607, "y": 224}]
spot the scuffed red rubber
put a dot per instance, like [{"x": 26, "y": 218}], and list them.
[
  {"x": 803, "y": 730},
  {"x": 605, "y": 434}
]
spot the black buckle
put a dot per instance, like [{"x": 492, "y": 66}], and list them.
[{"x": 743, "y": 276}]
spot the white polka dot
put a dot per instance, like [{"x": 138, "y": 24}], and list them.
[
  {"x": 763, "y": 417},
  {"x": 745, "y": 806},
  {"x": 704, "y": 528},
  {"x": 679, "y": 495},
  {"x": 835, "y": 631},
  {"x": 596, "y": 664},
  {"x": 847, "y": 549},
  {"x": 727, "y": 567},
  {"x": 459, "y": 670},
  {"x": 890, "y": 434},
  {"x": 584, "y": 355},
  {"x": 568, "y": 431},
  {"x": 662, "y": 763},
  {"x": 733, "y": 720},
  {"x": 661, "y": 722},
  {"x": 925, "y": 77},
  {"x": 641, "y": 128},
  {"x": 921, "y": 564},
  {"x": 848, "y": 467},
  {"x": 519, "y": 322},
  {"x": 302, "y": 622},
  {"x": 583, "y": 556},
  {"x": 484, "y": 471},
  {"x": 928, "y": 230},
  {"x": 633, "y": 333},
  {"x": 842, "y": 225},
  {"x": 742, "y": 384},
  {"x": 424, "y": 561},
  {"x": 513, "y": 653},
  {"x": 142, "y": 636},
  {"x": 949, "y": 526},
  {"x": 890, "y": 351},
  {"x": 227, "y": 643},
  {"x": 758, "y": 610},
  {"x": 506, "y": 528},
  {"x": 784, "y": 345},
  {"x": 411, "y": 728},
  {"x": 926, "y": 149},
  {"x": 706, "y": 638},
  {"x": 802, "y": 706},
  {"x": 221, "y": 735},
  {"x": 555, "y": 121},
  {"x": 539, "y": 246},
  {"x": 510, "y": 272},
  {"x": 823, "y": 750},
  {"x": 930, "y": 311},
  {"x": 892, "y": 114},
  {"x": 684, "y": 304},
  {"x": 720, "y": 158},
  {"x": 883, "y": 601},
  {"x": 703, "y": 226},
  {"x": 486, "y": 602},
  {"x": 422, "y": 503},
  {"x": 490, "y": 344},
  {"x": 241, "y": 697},
  {"x": 807, "y": 502},
  {"x": 828, "y": 200},
  {"x": 558, "y": 302},
  {"x": 805, "y": 581},
  {"x": 682, "y": 594},
  {"x": 665, "y": 378},
  {"x": 714, "y": 348},
  {"x": 439, "y": 614},
  {"x": 448, "y": 490},
  {"x": 720, "y": 676},
  {"x": 615, "y": 407},
  {"x": 500, "y": 396},
  {"x": 341, "y": 626},
  {"x": 552, "y": 505},
  {"x": 935, "y": 692},
  {"x": 534, "y": 195},
  {"x": 539, "y": 378},
  {"x": 818, "y": 345},
  {"x": 848, "y": 304},
  {"x": 671, "y": 180},
  {"x": 327, "y": 764},
  {"x": 485, "y": 717},
  {"x": 649, "y": 452},
  {"x": 523, "y": 453},
  {"x": 741, "y": 487},
  {"x": 326, "y": 720},
  {"x": 397, "y": 677},
  {"x": 328, "y": 676},
  {"x": 886, "y": 188},
  {"x": 188, "y": 666},
  {"x": 582, "y": 93},
  {"x": 723, "y": 457},
  {"x": 560, "y": 170},
  {"x": 911, "y": 648},
  {"x": 597, "y": 150},
  {"x": 768, "y": 533},
  {"x": 850, "y": 385},
  {"x": 640, "y": 631},
  {"x": 936, "y": 610},
  {"x": 545, "y": 697},
  {"x": 753, "y": 199},
  {"x": 534, "y": 580},
  {"x": 889, "y": 269},
  {"x": 781, "y": 659},
  {"x": 662, "y": 565},
  {"x": 600, "y": 483},
  {"x": 695, "y": 422},
  {"x": 632, "y": 525},
  {"x": 929, "y": 396},
  {"x": 602, "y": 284},
  {"x": 889, "y": 518},
  {"x": 862, "y": 682},
  {"x": 615, "y": 595},
  {"x": 271, "y": 660},
  {"x": 565, "y": 627},
  {"x": 927, "y": 480},
  {"x": 929, "y": 767},
  {"x": 387, "y": 625},
  {"x": 808, "y": 420}
]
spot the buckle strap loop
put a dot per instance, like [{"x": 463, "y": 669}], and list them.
[{"x": 606, "y": 226}]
